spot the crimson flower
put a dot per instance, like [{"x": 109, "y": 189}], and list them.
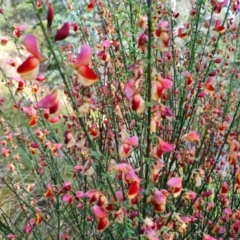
[{"x": 29, "y": 69}]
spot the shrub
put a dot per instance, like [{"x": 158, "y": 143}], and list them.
[{"x": 137, "y": 137}]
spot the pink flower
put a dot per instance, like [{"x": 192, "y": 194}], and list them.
[
  {"x": 190, "y": 195},
  {"x": 93, "y": 195},
  {"x": 137, "y": 69},
  {"x": 217, "y": 6},
  {"x": 86, "y": 76},
  {"x": 126, "y": 148},
  {"x": 209, "y": 85},
  {"x": 132, "y": 141},
  {"x": 99, "y": 212},
  {"x": 155, "y": 171},
  {"x": 5, "y": 152},
  {"x": 161, "y": 32},
  {"x": 176, "y": 185},
  {"x": 119, "y": 196},
  {"x": 208, "y": 237},
  {"x": 159, "y": 200},
  {"x": 131, "y": 176},
  {"x": 130, "y": 90},
  {"x": 11, "y": 236},
  {"x": 21, "y": 83},
  {"x": 162, "y": 147},
  {"x": 50, "y": 102},
  {"x": 149, "y": 229},
  {"x": 30, "y": 67},
  {"x": 67, "y": 198},
  {"x": 30, "y": 225},
  {"x": 64, "y": 236},
  {"x": 192, "y": 136},
  {"x": 158, "y": 87},
  {"x": 85, "y": 56},
  {"x": 104, "y": 54},
  {"x": 127, "y": 174}
]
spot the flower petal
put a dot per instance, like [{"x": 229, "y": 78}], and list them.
[
  {"x": 33, "y": 121},
  {"x": 85, "y": 55},
  {"x": 131, "y": 176},
  {"x": 164, "y": 146},
  {"x": 166, "y": 83},
  {"x": 63, "y": 32},
  {"x": 54, "y": 108},
  {"x": 175, "y": 182},
  {"x": 157, "y": 90},
  {"x": 102, "y": 224},
  {"x": 29, "y": 69},
  {"x": 133, "y": 190},
  {"x": 159, "y": 198},
  {"x": 30, "y": 42},
  {"x": 99, "y": 212},
  {"x": 132, "y": 141},
  {"x": 129, "y": 90},
  {"x": 48, "y": 101},
  {"x": 54, "y": 119},
  {"x": 86, "y": 75},
  {"x": 138, "y": 104}
]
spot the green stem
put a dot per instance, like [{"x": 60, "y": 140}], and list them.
[{"x": 149, "y": 64}]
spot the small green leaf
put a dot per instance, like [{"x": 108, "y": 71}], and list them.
[{"x": 148, "y": 104}]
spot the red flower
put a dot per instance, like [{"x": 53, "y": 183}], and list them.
[
  {"x": 50, "y": 102},
  {"x": 99, "y": 210},
  {"x": 217, "y": 5},
  {"x": 63, "y": 32},
  {"x": 158, "y": 87},
  {"x": 159, "y": 200},
  {"x": 219, "y": 27},
  {"x": 128, "y": 175},
  {"x": 30, "y": 67},
  {"x": 31, "y": 114},
  {"x": 86, "y": 76},
  {"x": 161, "y": 32},
  {"x": 142, "y": 41},
  {"x": 91, "y": 5},
  {"x": 18, "y": 31}
]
